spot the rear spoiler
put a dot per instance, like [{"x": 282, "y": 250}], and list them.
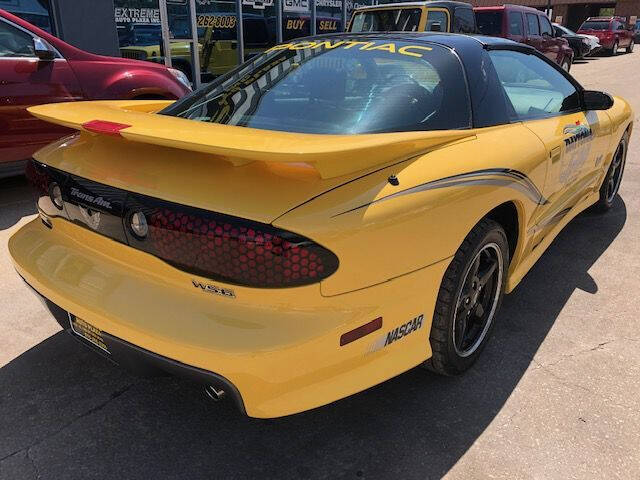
[{"x": 330, "y": 155}]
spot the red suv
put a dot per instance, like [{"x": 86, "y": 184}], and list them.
[
  {"x": 37, "y": 68},
  {"x": 524, "y": 25},
  {"x": 612, "y": 32}
]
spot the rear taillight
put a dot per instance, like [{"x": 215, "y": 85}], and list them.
[
  {"x": 226, "y": 248},
  {"x": 47, "y": 186},
  {"x": 209, "y": 244}
]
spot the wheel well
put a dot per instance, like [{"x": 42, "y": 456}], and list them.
[{"x": 507, "y": 216}]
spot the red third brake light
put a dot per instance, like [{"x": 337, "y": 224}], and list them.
[{"x": 105, "y": 128}]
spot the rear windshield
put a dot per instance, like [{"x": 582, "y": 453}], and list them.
[
  {"x": 489, "y": 23},
  {"x": 333, "y": 86},
  {"x": 387, "y": 20},
  {"x": 595, "y": 26}
]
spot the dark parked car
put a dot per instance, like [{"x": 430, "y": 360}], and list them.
[
  {"x": 525, "y": 25},
  {"x": 434, "y": 16},
  {"x": 38, "y": 68},
  {"x": 613, "y": 33},
  {"x": 579, "y": 44}
]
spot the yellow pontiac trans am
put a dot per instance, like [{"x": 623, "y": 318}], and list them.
[{"x": 328, "y": 215}]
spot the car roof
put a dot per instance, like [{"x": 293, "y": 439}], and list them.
[
  {"x": 510, "y": 6},
  {"x": 447, "y": 39},
  {"x": 430, "y": 3},
  {"x": 604, "y": 19}
]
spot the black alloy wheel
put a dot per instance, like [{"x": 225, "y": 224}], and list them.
[
  {"x": 612, "y": 180},
  {"x": 468, "y": 300},
  {"x": 477, "y": 300}
]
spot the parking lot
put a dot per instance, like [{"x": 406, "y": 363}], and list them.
[{"x": 555, "y": 395}]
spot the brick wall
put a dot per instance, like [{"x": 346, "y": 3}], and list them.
[{"x": 626, "y": 8}]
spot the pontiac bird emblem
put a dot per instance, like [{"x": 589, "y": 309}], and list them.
[{"x": 91, "y": 217}]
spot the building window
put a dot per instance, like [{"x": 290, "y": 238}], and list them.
[{"x": 36, "y": 12}]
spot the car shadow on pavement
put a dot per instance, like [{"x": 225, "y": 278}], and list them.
[
  {"x": 16, "y": 201},
  {"x": 68, "y": 413}
]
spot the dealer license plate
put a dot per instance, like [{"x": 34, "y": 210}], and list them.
[{"x": 88, "y": 332}]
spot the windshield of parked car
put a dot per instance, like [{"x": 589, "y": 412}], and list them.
[
  {"x": 338, "y": 86},
  {"x": 489, "y": 23},
  {"x": 564, "y": 30},
  {"x": 386, "y": 20},
  {"x": 591, "y": 25}
]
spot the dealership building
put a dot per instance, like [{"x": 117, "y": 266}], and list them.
[
  {"x": 206, "y": 38},
  {"x": 148, "y": 29}
]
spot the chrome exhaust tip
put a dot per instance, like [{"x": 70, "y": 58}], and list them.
[{"x": 215, "y": 394}]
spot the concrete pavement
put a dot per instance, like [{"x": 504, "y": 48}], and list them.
[{"x": 556, "y": 394}]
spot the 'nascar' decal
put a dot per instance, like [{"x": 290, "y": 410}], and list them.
[
  {"x": 397, "y": 333},
  {"x": 409, "y": 50},
  {"x": 493, "y": 176}
]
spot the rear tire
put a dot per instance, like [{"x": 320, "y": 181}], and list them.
[
  {"x": 614, "y": 49},
  {"x": 576, "y": 54},
  {"x": 469, "y": 298},
  {"x": 612, "y": 180}
]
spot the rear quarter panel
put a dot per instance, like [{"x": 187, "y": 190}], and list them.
[{"x": 394, "y": 236}]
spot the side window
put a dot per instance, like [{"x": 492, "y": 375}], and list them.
[
  {"x": 515, "y": 23},
  {"x": 532, "y": 24},
  {"x": 15, "y": 42},
  {"x": 534, "y": 88},
  {"x": 437, "y": 21},
  {"x": 464, "y": 21},
  {"x": 545, "y": 26}
]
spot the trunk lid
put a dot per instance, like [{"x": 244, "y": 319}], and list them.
[{"x": 248, "y": 173}]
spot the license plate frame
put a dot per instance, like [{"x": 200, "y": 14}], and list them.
[{"x": 88, "y": 332}]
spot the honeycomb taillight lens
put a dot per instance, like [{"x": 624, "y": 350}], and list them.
[
  {"x": 213, "y": 245},
  {"x": 226, "y": 248}
]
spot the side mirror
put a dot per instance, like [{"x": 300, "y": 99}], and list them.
[
  {"x": 594, "y": 100},
  {"x": 435, "y": 27},
  {"x": 43, "y": 50}
]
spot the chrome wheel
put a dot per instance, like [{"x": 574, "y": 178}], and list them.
[
  {"x": 477, "y": 301},
  {"x": 615, "y": 175}
]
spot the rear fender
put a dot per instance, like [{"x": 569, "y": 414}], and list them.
[{"x": 381, "y": 231}]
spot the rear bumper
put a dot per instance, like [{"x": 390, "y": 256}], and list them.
[
  {"x": 143, "y": 362},
  {"x": 607, "y": 43},
  {"x": 277, "y": 350}
]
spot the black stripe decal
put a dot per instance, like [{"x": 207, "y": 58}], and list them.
[{"x": 509, "y": 178}]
